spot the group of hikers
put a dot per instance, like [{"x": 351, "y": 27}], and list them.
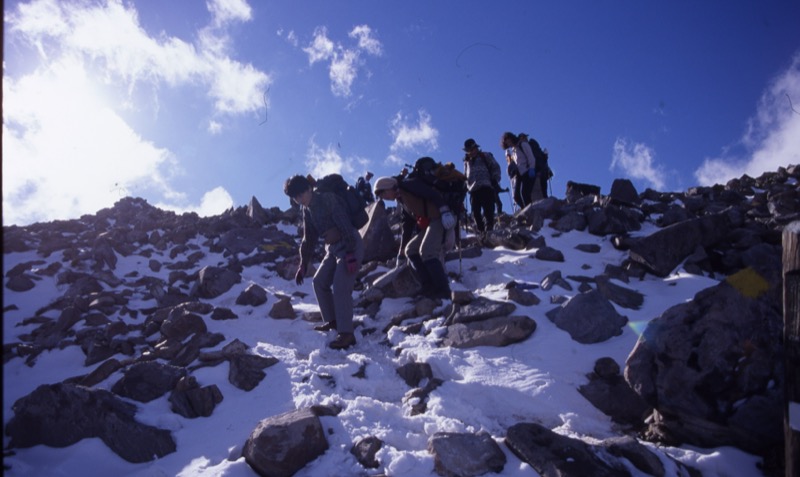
[{"x": 430, "y": 200}]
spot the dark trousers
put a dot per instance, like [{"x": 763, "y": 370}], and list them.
[
  {"x": 542, "y": 178},
  {"x": 525, "y": 189},
  {"x": 482, "y": 202}
]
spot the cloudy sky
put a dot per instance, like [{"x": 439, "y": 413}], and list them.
[{"x": 199, "y": 106}]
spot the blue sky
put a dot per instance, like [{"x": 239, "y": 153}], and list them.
[{"x": 199, "y": 106}]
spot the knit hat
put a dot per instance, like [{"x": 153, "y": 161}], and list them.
[{"x": 385, "y": 183}]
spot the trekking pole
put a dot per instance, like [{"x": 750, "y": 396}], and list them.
[{"x": 511, "y": 199}]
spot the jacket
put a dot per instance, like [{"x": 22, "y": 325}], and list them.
[
  {"x": 481, "y": 171},
  {"x": 522, "y": 155},
  {"x": 326, "y": 217}
]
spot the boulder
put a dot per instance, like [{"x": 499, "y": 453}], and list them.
[
  {"x": 666, "y": 248},
  {"x": 379, "y": 242},
  {"x": 59, "y": 415},
  {"x": 588, "y": 318},
  {"x": 465, "y": 454},
  {"x": 148, "y": 380},
  {"x": 723, "y": 351},
  {"x": 498, "y": 331},
  {"x": 282, "y": 445},
  {"x": 214, "y": 281}
]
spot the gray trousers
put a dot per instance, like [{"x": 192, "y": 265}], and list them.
[
  {"x": 428, "y": 243},
  {"x": 333, "y": 286}
]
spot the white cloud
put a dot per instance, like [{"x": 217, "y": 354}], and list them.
[
  {"x": 772, "y": 137},
  {"x": 323, "y": 161},
  {"x": 637, "y": 162},
  {"x": 226, "y": 11},
  {"x": 214, "y": 127},
  {"x": 411, "y": 137},
  {"x": 344, "y": 62},
  {"x": 65, "y": 153},
  {"x": 214, "y": 202},
  {"x": 366, "y": 41},
  {"x": 66, "y": 150},
  {"x": 321, "y": 48},
  {"x": 343, "y": 72}
]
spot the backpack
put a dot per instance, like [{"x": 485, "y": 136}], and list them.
[
  {"x": 540, "y": 157},
  {"x": 445, "y": 178},
  {"x": 336, "y": 184}
]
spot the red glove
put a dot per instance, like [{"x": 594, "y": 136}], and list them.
[
  {"x": 298, "y": 277},
  {"x": 423, "y": 222},
  {"x": 351, "y": 263}
]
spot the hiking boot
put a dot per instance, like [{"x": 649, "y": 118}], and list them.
[
  {"x": 343, "y": 341},
  {"x": 326, "y": 327},
  {"x": 440, "y": 282}
]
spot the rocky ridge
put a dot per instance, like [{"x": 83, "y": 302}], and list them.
[{"x": 722, "y": 348}]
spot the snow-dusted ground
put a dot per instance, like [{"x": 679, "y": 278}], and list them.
[{"x": 484, "y": 388}]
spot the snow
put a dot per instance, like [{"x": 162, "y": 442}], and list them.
[{"x": 484, "y": 388}]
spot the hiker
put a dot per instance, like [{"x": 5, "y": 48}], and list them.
[
  {"x": 424, "y": 209},
  {"x": 364, "y": 188},
  {"x": 483, "y": 174},
  {"x": 513, "y": 177},
  {"x": 325, "y": 216},
  {"x": 520, "y": 152},
  {"x": 540, "y": 173}
]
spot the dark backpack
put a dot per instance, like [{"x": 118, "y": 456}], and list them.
[
  {"x": 445, "y": 178},
  {"x": 336, "y": 184},
  {"x": 540, "y": 158}
]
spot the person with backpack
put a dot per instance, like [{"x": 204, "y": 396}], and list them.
[
  {"x": 520, "y": 153},
  {"x": 513, "y": 177},
  {"x": 364, "y": 189},
  {"x": 541, "y": 170},
  {"x": 325, "y": 216},
  {"x": 483, "y": 177},
  {"x": 425, "y": 212}
]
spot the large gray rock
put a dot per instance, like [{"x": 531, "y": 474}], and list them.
[
  {"x": 665, "y": 249},
  {"x": 214, "y": 281},
  {"x": 282, "y": 445},
  {"x": 624, "y": 192},
  {"x": 148, "y": 380},
  {"x": 379, "y": 241},
  {"x": 253, "y": 295},
  {"x": 465, "y": 455},
  {"x": 190, "y": 400},
  {"x": 498, "y": 331},
  {"x": 398, "y": 282},
  {"x": 480, "y": 309},
  {"x": 722, "y": 351},
  {"x": 59, "y": 415},
  {"x": 588, "y": 318},
  {"x": 554, "y": 455}
]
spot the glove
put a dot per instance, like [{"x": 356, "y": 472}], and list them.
[
  {"x": 351, "y": 263},
  {"x": 448, "y": 219},
  {"x": 423, "y": 222},
  {"x": 298, "y": 277}
]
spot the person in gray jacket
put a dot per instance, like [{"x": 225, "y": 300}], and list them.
[
  {"x": 325, "y": 216},
  {"x": 483, "y": 179}
]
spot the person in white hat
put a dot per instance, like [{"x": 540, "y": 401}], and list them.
[{"x": 425, "y": 211}]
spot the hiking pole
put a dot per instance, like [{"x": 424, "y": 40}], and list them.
[{"x": 511, "y": 199}]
